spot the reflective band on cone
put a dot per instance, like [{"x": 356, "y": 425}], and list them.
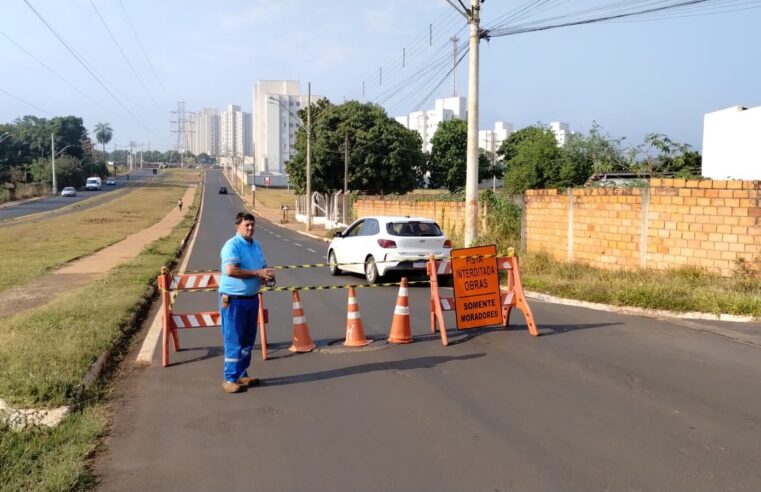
[
  {"x": 400, "y": 324},
  {"x": 302, "y": 341},
  {"x": 355, "y": 332}
]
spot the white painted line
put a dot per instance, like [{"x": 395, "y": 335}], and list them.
[
  {"x": 277, "y": 235},
  {"x": 311, "y": 250},
  {"x": 286, "y": 239},
  {"x": 297, "y": 244}
]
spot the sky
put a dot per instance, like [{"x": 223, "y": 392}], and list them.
[{"x": 633, "y": 77}]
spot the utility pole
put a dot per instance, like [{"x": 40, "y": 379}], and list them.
[
  {"x": 309, "y": 157},
  {"x": 471, "y": 175},
  {"x": 493, "y": 161},
  {"x": 346, "y": 176},
  {"x": 52, "y": 162}
]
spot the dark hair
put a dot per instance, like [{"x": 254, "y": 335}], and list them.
[{"x": 244, "y": 216}]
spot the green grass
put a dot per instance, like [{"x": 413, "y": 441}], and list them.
[
  {"x": 684, "y": 289},
  {"x": 45, "y": 352},
  {"x": 32, "y": 249},
  {"x": 51, "y": 459}
]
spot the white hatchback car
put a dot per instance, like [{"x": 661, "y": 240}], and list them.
[{"x": 375, "y": 246}]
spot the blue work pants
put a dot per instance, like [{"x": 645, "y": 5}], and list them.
[{"x": 239, "y": 321}]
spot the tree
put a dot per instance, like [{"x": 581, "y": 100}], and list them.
[
  {"x": 103, "y": 134},
  {"x": 384, "y": 157},
  {"x": 665, "y": 157},
  {"x": 447, "y": 164},
  {"x": 533, "y": 160}
]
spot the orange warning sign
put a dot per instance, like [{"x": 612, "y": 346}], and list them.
[{"x": 476, "y": 287}]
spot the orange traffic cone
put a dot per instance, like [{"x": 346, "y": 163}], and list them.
[
  {"x": 355, "y": 332},
  {"x": 400, "y": 325},
  {"x": 302, "y": 342}
]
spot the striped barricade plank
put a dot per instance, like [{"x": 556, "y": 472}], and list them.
[
  {"x": 196, "y": 320},
  {"x": 188, "y": 281}
]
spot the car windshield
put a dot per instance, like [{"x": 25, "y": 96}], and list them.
[{"x": 413, "y": 229}]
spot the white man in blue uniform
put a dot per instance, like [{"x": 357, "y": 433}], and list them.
[{"x": 243, "y": 270}]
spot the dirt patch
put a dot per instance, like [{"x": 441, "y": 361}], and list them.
[{"x": 41, "y": 291}]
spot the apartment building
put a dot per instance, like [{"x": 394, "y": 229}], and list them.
[
  {"x": 426, "y": 122},
  {"x": 562, "y": 132},
  {"x": 205, "y": 136},
  {"x": 491, "y": 140},
  {"x": 276, "y": 121},
  {"x": 235, "y": 133}
]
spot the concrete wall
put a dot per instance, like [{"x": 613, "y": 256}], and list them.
[
  {"x": 732, "y": 143},
  {"x": 704, "y": 223}
]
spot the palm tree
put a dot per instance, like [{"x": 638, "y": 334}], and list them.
[{"x": 103, "y": 134}]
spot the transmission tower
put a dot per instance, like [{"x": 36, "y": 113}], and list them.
[{"x": 183, "y": 127}]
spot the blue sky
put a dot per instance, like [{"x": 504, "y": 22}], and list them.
[{"x": 633, "y": 78}]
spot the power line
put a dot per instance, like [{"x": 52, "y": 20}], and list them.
[
  {"x": 124, "y": 55},
  {"x": 55, "y": 73},
  {"x": 26, "y": 102},
  {"x": 86, "y": 67},
  {"x": 142, "y": 48}
]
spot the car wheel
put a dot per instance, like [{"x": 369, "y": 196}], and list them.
[
  {"x": 371, "y": 271},
  {"x": 334, "y": 270}
]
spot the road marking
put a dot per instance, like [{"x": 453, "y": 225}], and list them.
[
  {"x": 311, "y": 250},
  {"x": 297, "y": 244},
  {"x": 277, "y": 236},
  {"x": 286, "y": 239}
]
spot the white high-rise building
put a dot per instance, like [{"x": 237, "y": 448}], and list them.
[
  {"x": 235, "y": 133},
  {"x": 276, "y": 121},
  {"x": 426, "y": 122},
  {"x": 491, "y": 140},
  {"x": 562, "y": 132},
  {"x": 205, "y": 138}
]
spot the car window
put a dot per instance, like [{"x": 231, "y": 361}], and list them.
[
  {"x": 370, "y": 228},
  {"x": 413, "y": 229},
  {"x": 355, "y": 230}
]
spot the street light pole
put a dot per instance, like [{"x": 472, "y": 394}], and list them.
[
  {"x": 309, "y": 157},
  {"x": 52, "y": 162}
]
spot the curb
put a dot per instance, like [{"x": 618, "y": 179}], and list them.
[{"x": 635, "y": 311}]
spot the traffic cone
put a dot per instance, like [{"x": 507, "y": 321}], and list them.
[
  {"x": 302, "y": 342},
  {"x": 355, "y": 332},
  {"x": 400, "y": 325}
]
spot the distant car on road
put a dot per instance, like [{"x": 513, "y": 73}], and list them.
[
  {"x": 110, "y": 182},
  {"x": 375, "y": 246},
  {"x": 69, "y": 191},
  {"x": 223, "y": 190}
]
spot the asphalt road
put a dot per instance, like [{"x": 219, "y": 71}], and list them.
[
  {"x": 599, "y": 402},
  {"x": 58, "y": 202}
]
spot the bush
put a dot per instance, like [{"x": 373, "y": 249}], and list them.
[{"x": 503, "y": 222}]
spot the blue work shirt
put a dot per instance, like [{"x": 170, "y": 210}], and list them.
[{"x": 248, "y": 256}]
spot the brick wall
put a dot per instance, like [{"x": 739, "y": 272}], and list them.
[
  {"x": 449, "y": 215},
  {"x": 705, "y": 223}
]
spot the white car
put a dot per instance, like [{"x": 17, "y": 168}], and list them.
[
  {"x": 111, "y": 182},
  {"x": 69, "y": 191},
  {"x": 375, "y": 246}
]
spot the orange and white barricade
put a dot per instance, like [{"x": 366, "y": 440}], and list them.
[
  {"x": 513, "y": 297},
  {"x": 172, "y": 322}
]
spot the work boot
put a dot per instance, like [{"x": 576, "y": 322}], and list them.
[
  {"x": 248, "y": 381},
  {"x": 230, "y": 387}
]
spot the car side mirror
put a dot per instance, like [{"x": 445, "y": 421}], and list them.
[{"x": 339, "y": 234}]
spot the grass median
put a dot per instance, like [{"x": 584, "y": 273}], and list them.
[
  {"x": 45, "y": 352},
  {"x": 32, "y": 249}
]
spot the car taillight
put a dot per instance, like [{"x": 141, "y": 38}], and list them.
[
  {"x": 386, "y": 243},
  {"x": 447, "y": 243}
]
